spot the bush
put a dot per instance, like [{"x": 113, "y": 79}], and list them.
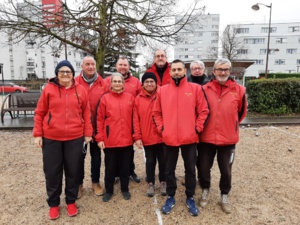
[{"x": 274, "y": 96}]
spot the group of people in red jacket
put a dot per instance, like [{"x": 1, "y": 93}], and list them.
[{"x": 164, "y": 114}]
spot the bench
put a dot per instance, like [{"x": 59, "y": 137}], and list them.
[{"x": 19, "y": 102}]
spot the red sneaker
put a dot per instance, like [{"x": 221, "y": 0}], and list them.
[
  {"x": 54, "y": 212},
  {"x": 72, "y": 209}
]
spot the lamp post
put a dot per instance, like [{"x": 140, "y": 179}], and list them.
[
  {"x": 1, "y": 71},
  {"x": 256, "y": 7}
]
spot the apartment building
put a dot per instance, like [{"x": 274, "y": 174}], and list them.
[{"x": 284, "y": 49}]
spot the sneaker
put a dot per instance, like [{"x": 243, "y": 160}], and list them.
[
  {"x": 106, "y": 197},
  {"x": 226, "y": 207},
  {"x": 193, "y": 209},
  {"x": 135, "y": 178},
  {"x": 98, "y": 190},
  {"x": 126, "y": 195},
  {"x": 54, "y": 213},
  {"x": 151, "y": 190},
  {"x": 169, "y": 204},
  {"x": 80, "y": 190},
  {"x": 204, "y": 198},
  {"x": 72, "y": 209},
  {"x": 163, "y": 188}
]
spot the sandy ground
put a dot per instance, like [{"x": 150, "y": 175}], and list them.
[{"x": 266, "y": 186}]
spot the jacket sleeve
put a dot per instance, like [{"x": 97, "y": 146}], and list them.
[
  {"x": 157, "y": 113},
  {"x": 39, "y": 114},
  {"x": 137, "y": 134},
  {"x": 243, "y": 104},
  {"x": 86, "y": 114},
  {"x": 202, "y": 109},
  {"x": 100, "y": 121}
]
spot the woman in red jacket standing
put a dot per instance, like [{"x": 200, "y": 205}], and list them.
[
  {"x": 61, "y": 126},
  {"x": 114, "y": 135},
  {"x": 146, "y": 134}
]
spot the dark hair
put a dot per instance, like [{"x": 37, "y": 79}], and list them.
[{"x": 178, "y": 61}]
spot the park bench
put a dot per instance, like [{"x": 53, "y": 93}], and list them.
[{"x": 17, "y": 104}]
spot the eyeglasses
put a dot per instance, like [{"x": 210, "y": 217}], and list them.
[
  {"x": 149, "y": 82},
  {"x": 62, "y": 72},
  {"x": 197, "y": 68},
  {"x": 220, "y": 70},
  {"x": 160, "y": 56},
  {"x": 117, "y": 81}
]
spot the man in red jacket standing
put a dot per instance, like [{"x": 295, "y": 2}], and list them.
[
  {"x": 228, "y": 107},
  {"x": 160, "y": 67},
  {"x": 96, "y": 87},
  {"x": 180, "y": 112}
]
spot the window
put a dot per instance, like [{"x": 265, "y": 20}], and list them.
[
  {"x": 215, "y": 19},
  {"x": 266, "y": 29},
  {"x": 294, "y": 29},
  {"x": 259, "y": 62},
  {"x": 254, "y": 40},
  {"x": 214, "y": 34},
  {"x": 242, "y": 51},
  {"x": 214, "y": 41},
  {"x": 298, "y": 61},
  {"x": 241, "y": 30},
  {"x": 279, "y": 62},
  {"x": 215, "y": 26},
  {"x": 199, "y": 34},
  {"x": 281, "y": 40},
  {"x": 200, "y": 42},
  {"x": 263, "y": 51},
  {"x": 291, "y": 51}
]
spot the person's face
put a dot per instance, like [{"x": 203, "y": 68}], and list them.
[
  {"x": 65, "y": 76},
  {"x": 222, "y": 72},
  {"x": 177, "y": 70},
  {"x": 197, "y": 70},
  {"x": 160, "y": 58},
  {"x": 117, "y": 84},
  {"x": 123, "y": 67},
  {"x": 89, "y": 67},
  {"x": 149, "y": 85}
]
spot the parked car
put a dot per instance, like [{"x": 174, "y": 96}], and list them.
[{"x": 11, "y": 87}]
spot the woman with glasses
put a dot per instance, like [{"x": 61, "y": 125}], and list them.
[
  {"x": 61, "y": 126},
  {"x": 114, "y": 135}
]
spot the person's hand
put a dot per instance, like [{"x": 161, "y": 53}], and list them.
[
  {"x": 101, "y": 145},
  {"x": 139, "y": 144},
  {"x": 87, "y": 139},
  {"x": 38, "y": 142}
]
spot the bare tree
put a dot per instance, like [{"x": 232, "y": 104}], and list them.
[
  {"x": 103, "y": 28},
  {"x": 232, "y": 45}
]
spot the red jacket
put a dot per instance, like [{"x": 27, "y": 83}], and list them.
[
  {"x": 180, "y": 112},
  {"x": 114, "y": 119},
  {"x": 228, "y": 107},
  {"x": 95, "y": 92},
  {"x": 166, "y": 76},
  {"x": 132, "y": 85},
  {"x": 62, "y": 114},
  {"x": 144, "y": 126}
]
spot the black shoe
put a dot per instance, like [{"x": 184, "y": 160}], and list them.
[
  {"x": 126, "y": 195},
  {"x": 135, "y": 178},
  {"x": 106, "y": 197}
]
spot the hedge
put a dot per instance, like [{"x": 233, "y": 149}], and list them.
[{"x": 274, "y": 96}]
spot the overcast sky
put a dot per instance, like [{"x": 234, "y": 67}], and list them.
[{"x": 239, "y": 11}]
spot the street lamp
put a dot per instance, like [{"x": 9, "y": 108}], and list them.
[
  {"x": 1, "y": 71},
  {"x": 256, "y": 7}
]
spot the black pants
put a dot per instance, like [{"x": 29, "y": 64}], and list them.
[
  {"x": 59, "y": 156},
  {"x": 225, "y": 158},
  {"x": 95, "y": 152},
  {"x": 117, "y": 161},
  {"x": 132, "y": 165},
  {"x": 153, "y": 154},
  {"x": 189, "y": 156}
]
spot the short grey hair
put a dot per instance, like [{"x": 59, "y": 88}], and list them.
[
  {"x": 197, "y": 62},
  {"x": 116, "y": 74},
  {"x": 222, "y": 61}
]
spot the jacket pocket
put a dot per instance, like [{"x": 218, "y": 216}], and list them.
[
  {"x": 49, "y": 118},
  {"x": 107, "y": 130}
]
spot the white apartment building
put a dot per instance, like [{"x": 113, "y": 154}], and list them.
[
  {"x": 198, "y": 38},
  {"x": 284, "y": 49}
]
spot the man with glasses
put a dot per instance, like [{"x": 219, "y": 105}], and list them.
[
  {"x": 160, "y": 67},
  {"x": 228, "y": 107},
  {"x": 197, "y": 73}
]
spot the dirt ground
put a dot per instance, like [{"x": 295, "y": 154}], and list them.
[{"x": 265, "y": 187}]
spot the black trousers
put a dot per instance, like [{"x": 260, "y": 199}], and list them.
[
  {"x": 60, "y": 156},
  {"x": 95, "y": 152},
  {"x": 189, "y": 156},
  {"x": 225, "y": 158},
  {"x": 153, "y": 154},
  {"x": 117, "y": 161}
]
